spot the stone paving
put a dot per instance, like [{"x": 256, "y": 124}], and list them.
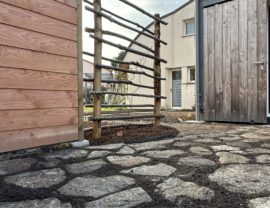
[{"x": 205, "y": 166}]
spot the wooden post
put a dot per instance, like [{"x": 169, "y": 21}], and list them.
[
  {"x": 157, "y": 73},
  {"x": 97, "y": 71}
]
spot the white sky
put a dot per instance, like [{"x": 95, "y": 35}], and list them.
[{"x": 152, "y": 6}]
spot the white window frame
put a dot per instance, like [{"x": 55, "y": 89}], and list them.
[
  {"x": 189, "y": 71},
  {"x": 171, "y": 104},
  {"x": 185, "y": 27}
]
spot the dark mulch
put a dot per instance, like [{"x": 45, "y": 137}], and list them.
[{"x": 132, "y": 133}]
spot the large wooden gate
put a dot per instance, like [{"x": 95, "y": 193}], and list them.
[
  {"x": 235, "y": 41},
  {"x": 38, "y": 73}
]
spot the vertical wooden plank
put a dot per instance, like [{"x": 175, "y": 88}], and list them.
[
  {"x": 218, "y": 61},
  {"x": 97, "y": 71},
  {"x": 226, "y": 62},
  {"x": 80, "y": 72},
  {"x": 243, "y": 58},
  {"x": 252, "y": 58},
  {"x": 205, "y": 52},
  {"x": 211, "y": 63},
  {"x": 157, "y": 73},
  {"x": 235, "y": 60},
  {"x": 262, "y": 70}
]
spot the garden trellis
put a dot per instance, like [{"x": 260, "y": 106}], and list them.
[{"x": 97, "y": 34}]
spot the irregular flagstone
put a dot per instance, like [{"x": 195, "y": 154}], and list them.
[
  {"x": 200, "y": 150},
  {"x": 249, "y": 128},
  {"x": 182, "y": 144},
  {"x": 85, "y": 167},
  {"x": 251, "y": 140},
  {"x": 207, "y": 140},
  {"x": 239, "y": 144},
  {"x": 126, "y": 150},
  {"x": 236, "y": 131},
  {"x": 151, "y": 145},
  {"x": 160, "y": 169},
  {"x": 235, "y": 138},
  {"x": 263, "y": 202},
  {"x": 49, "y": 163},
  {"x": 251, "y": 135},
  {"x": 124, "y": 199},
  {"x": 263, "y": 159},
  {"x": 106, "y": 147},
  {"x": 213, "y": 135},
  {"x": 38, "y": 179},
  {"x": 16, "y": 165},
  {"x": 128, "y": 160},
  {"x": 238, "y": 152},
  {"x": 187, "y": 137},
  {"x": 264, "y": 130},
  {"x": 258, "y": 151},
  {"x": 244, "y": 178},
  {"x": 95, "y": 186},
  {"x": 224, "y": 148},
  {"x": 228, "y": 158},
  {"x": 265, "y": 145},
  {"x": 193, "y": 161},
  {"x": 173, "y": 188},
  {"x": 45, "y": 203},
  {"x": 163, "y": 153},
  {"x": 98, "y": 154},
  {"x": 67, "y": 154}
]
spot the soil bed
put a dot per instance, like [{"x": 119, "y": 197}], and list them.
[{"x": 132, "y": 133}]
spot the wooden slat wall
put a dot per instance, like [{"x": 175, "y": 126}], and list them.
[
  {"x": 235, "y": 37},
  {"x": 262, "y": 78},
  {"x": 243, "y": 60},
  {"x": 38, "y": 73}
]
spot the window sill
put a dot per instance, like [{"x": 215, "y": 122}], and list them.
[{"x": 190, "y": 35}]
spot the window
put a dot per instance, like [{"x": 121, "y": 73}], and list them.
[
  {"x": 190, "y": 27},
  {"x": 192, "y": 74}
]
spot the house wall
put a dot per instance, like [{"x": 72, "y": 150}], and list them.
[
  {"x": 180, "y": 53},
  {"x": 38, "y": 73}
]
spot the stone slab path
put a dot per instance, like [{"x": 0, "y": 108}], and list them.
[{"x": 205, "y": 166}]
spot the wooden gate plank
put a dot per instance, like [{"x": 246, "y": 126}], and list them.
[
  {"x": 13, "y": 140},
  {"x": 211, "y": 63},
  {"x": 226, "y": 62},
  {"x": 37, "y": 118},
  {"x": 49, "y": 8},
  {"x": 20, "y": 58},
  {"x": 29, "y": 79},
  {"x": 218, "y": 61},
  {"x": 72, "y": 3},
  {"x": 262, "y": 50},
  {"x": 235, "y": 60},
  {"x": 205, "y": 52},
  {"x": 21, "y": 18},
  {"x": 14, "y": 99},
  {"x": 21, "y": 38},
  {"x": 252, "y": 57},
  {"x": 243, "y": 58}
]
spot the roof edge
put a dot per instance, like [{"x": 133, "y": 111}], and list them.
[{"x": 164, "y": 16}]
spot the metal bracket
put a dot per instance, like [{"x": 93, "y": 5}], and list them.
[{"x": 261, "y": 63}]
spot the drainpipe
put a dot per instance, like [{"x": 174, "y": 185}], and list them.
[{"x": 197, "y": 39}]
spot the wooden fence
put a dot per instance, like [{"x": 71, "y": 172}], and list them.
[
  {"x": 97, "y": 34},
  {"x": 39, "y": 73}
]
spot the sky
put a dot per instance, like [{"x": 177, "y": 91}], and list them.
[{"x": 152, "y": 6}]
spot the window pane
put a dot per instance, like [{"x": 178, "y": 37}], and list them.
[
  {"x": 192, "y": 74},
  {"x": 176, "y": 75},
  {"x": 190, "y": 27}
]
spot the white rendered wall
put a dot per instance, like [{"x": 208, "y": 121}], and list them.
[{"x": 180, "y": 54}]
